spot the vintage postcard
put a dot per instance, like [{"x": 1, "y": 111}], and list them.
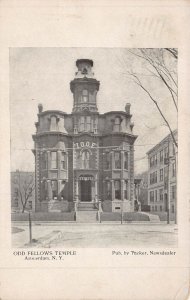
[{"x": 95, "y": 150}]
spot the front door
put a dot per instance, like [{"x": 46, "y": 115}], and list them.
[{"x": 86, "y": 194}]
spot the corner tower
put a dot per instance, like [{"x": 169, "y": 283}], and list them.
[{"x": 84, "y": 87}]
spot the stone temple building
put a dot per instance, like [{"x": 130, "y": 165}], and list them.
[{"x": 84, "y": 160}]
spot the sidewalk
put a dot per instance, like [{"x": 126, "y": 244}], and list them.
[{"x": 99, "y": 235}]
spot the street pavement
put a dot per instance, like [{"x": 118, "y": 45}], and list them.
[{"x": 97, "y": 235}]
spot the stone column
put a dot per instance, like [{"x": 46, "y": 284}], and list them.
[
  {"x": 112, "y": 160},
  {"x": 59, "y": 163},
  {"x": 48, "y": 162},
  {"x": 122, "y": 160},
  {"x": 122, "y": 189},
  {"x": 129, "y": 189},
  {"x": 77, "y": 190},
  {"x": 112, "y": 190},
  {"x": 96, "y": 189},
  {"x": 49, "y": 189}
]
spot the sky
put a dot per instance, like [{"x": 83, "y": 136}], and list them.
[{"x": 43, "y": 75}]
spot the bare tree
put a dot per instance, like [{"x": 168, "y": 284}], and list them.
[
  {"x": 158, "y": 68},
  {"x": 25, "y": 187}
]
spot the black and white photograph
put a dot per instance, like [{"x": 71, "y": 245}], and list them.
[{"x": 94, "y": 147}]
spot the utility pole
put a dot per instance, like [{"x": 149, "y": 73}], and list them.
[{"x": 30, "y": 228}]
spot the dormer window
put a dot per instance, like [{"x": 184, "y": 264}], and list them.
[
  {"x": 117, "y": 124},
  {"x": 53, "y": 123},
  {"x": 85, "y": 96}
]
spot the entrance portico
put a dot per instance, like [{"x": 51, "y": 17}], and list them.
[{"x": 86, "y": 188}]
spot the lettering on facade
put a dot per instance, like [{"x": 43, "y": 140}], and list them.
[
  {"x": 85, "y": 178},
  {"x": 85, "y": 144}
]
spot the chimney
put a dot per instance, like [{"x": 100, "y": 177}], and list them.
[
  {"x": 127, "y": 108},
  {"x": 40, "y": 108}
]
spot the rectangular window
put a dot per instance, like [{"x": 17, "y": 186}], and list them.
[
  {"x": 54, "y": 189},
  {"x": 155, "y": 195},
  {"x": 126, "y": 160},
  {"x": 117, "y": 158},
  {"x": 173, "y": 192},
  {"x": 108, "y": 161},
  {"x": 161, "y": 194},
  {"x": 161, "y": 175},
  {"x": 161, "y": 156},
  {"x": 155, "y": 159},
  {"x": 151, "y": 196},
  {"x": 172, "y": 208},
  {"x": 53, "y": 160},
  {"x": 173, "y": 170},
  {"x": 117, "y": 186},
  {"x": 155, "y": 207},
  {"x": 160, "y": 207},
  {"x": 166, "y": 152},
  {"x": 82, "y": 123},
  {"x": 63, "y": 160},
  {"x": 165, "y": 177},
  {"x": 155, "y": 177},
  {"x": 88, "y": 123}
]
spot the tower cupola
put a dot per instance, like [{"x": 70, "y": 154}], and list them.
[{"x": 84, "y": 87}]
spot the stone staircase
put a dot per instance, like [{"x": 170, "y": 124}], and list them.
[
  {"x": 87, "y": 206},
  {"x": 87, "y": 216},
  {"x": 87, "y": 212}
]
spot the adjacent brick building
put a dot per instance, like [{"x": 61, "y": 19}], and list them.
[
  {"x": 160, "y": 157},
  {"x": 84, "y": 158}
]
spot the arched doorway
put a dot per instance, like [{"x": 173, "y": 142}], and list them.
[{"x": 85, "y": 188}]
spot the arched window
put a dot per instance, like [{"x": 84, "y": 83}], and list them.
[
  {"x": 85, "y": 96},
  {"x": 117, "y": 159},
  {"x": 85, "y": 159},
  {"x": 117, "y": 124},
  {"x": 53, "y": 123}
]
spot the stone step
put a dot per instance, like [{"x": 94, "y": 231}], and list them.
[
  {"x": 86, "y": 216},
  {"x": 87, "y": 209},
  {"x": 83, "y": 206}
]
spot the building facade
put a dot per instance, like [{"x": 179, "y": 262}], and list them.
[
  {"x": 84, "y": 158},
  {"x": 162, "y": 177}
]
